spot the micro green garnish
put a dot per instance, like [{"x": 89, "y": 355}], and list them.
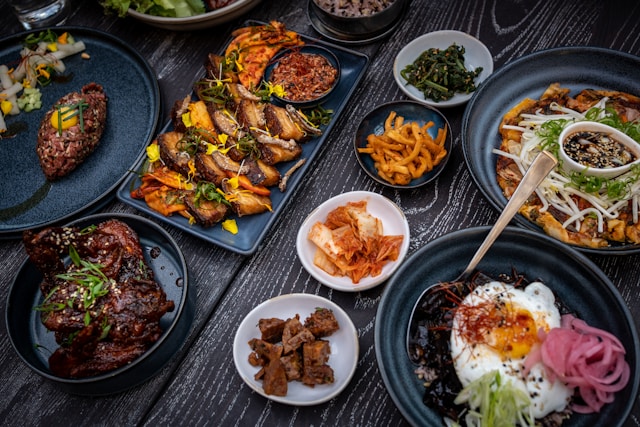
[
  {"x": 550, "y": 133},
  {"x": 208, "y": 191},
  {"x": 106, "y": 327},
  {"x": 33, "y": 39},
  {"x": 91, "y": 281},
  {"x": 212, "y": 90},
  {"x": 248, "y": 145},
  {"x": 193, "y": 139},
  {"x": 319, "y": 116},
  {"x": 48, "y": 306},
  {"x": 266, "y": 89},
  {"x": 68, "y": 111},
  {"x": 440, "y": 73},
  {"x": 88, "y": 230},
  {"x": 614, "y": 188}
]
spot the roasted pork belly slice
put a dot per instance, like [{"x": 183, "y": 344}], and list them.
[
  {"x": 245, "y": 202},
  {"x": 224, "y": 123},
  {"x": 172, "y": 154},
  {"x": 273, "y": 154},
  {"x": 209, "y": 170},
  {"x": 65, "y": 143},
  {"x": 250, "y": 114},
  {"x": 206, "y": 212},
  {"x": 270, "y": 173},
  {"x": 280, "y": 123}
]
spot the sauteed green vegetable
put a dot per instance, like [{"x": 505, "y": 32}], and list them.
[{"x": 440, "y": 74}]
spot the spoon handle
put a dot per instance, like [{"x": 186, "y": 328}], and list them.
[{"x": 539, "y": 169}]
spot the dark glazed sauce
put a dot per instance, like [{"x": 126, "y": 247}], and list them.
[{"x": 597, "y": 150}]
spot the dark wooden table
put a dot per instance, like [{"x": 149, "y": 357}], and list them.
[{"x": 200, "y": 385}]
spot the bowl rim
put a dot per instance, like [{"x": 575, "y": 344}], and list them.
[
  {"x": 305, "y": 249},
  {"x": 169, "y": 20},
  {"x": 456, "y": 36},
  {"x": 435, "y": 172},
  {"x": 180, "y": 306}
]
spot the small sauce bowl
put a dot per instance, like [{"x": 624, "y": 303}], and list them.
[
  {"x": 300, "y": 66},
  {"x": 597, "y": 149}
]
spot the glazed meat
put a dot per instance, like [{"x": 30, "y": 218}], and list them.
[
  {"x": 71, "y": 130},
  {"x": 105, "y": 306}
]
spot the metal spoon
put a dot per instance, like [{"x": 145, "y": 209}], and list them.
[{"x": 539, "y": 169}]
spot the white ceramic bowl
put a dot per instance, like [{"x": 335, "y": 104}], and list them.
[
  {"x": 197, "y": 22},
  {"x": 476, "y": 55},
  {"x": 393, "y": 220},
  {"x": 344, "y": 347},
  {"x": 570, "y": 165}
]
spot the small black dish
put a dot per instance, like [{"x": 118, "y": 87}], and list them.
[
  {"x": 411, "y": 111},
  {"x": 33, "y": 342},
  {"x": 309, "y": 50}
]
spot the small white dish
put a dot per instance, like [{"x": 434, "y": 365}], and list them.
[
  {"x": 197, "y": 22},
  {"x": 344, "y": 347},
  {"x": 393, "y": 220},
  {"x": 571, "y": 165},
  {"x": 476, "y": 55}
]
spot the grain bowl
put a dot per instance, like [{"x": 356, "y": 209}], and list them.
[{"x": 366, "y": 20}]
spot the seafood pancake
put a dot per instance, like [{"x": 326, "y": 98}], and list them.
[{"x": 622, "y": 228}]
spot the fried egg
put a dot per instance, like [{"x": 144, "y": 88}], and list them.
[{"x": 495, "y": 327}]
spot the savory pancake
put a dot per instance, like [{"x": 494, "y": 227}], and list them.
[{"x": 562, "y": 208}]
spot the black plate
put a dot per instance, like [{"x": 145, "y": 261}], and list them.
[
  {"x": 253, "y": 228},
  {"x": 579, "y": 283},
  {"x": 34, "y": 343},
  {"x": 28, "y": 200},
  {"x": 575, "y": 68}
]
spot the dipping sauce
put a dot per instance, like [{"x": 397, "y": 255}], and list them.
[
  {"x": 597, "y": 150},
  {"x": 304, "y": 76}
]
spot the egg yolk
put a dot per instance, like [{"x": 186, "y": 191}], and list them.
[
  {"x": 63, "y": 118},
  {"x": 509, "y": 330}
]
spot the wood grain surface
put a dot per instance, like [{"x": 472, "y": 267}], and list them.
[{"x": 200, "y": 385}]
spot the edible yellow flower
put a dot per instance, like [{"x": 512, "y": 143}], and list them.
[
  {"x": 41, "y": 69},
  {"x": 52, "y": 47},
  {"x": 6, "y": 107},
  {"x": 153, "y": 153},
  {"x": 186, "y": 119},
  {"x": 276, "y": 90},
  {"x": 233, "y": 182},
  {"x": 230, "y": 225},
  {"x": 192, "y": 169}
]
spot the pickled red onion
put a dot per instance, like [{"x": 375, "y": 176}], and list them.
[{"x": 584, "y": 357}]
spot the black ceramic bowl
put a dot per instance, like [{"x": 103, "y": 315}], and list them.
[
  {"x": 305, "y": 50},
  {"x": 411, "y": 111},
  {"x": 34, "y": 343},
  {"x": 574, "y": 279},
  {"x": 358, "y": 26}
]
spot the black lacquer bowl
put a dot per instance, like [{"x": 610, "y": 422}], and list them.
[
  {"x": 33, "y": 343},
  {"x": 577, "y": 281},
  {"x": 412, "y": 111}
]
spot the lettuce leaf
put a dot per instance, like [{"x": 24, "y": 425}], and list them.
[{"x": 167, "y": 8}]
